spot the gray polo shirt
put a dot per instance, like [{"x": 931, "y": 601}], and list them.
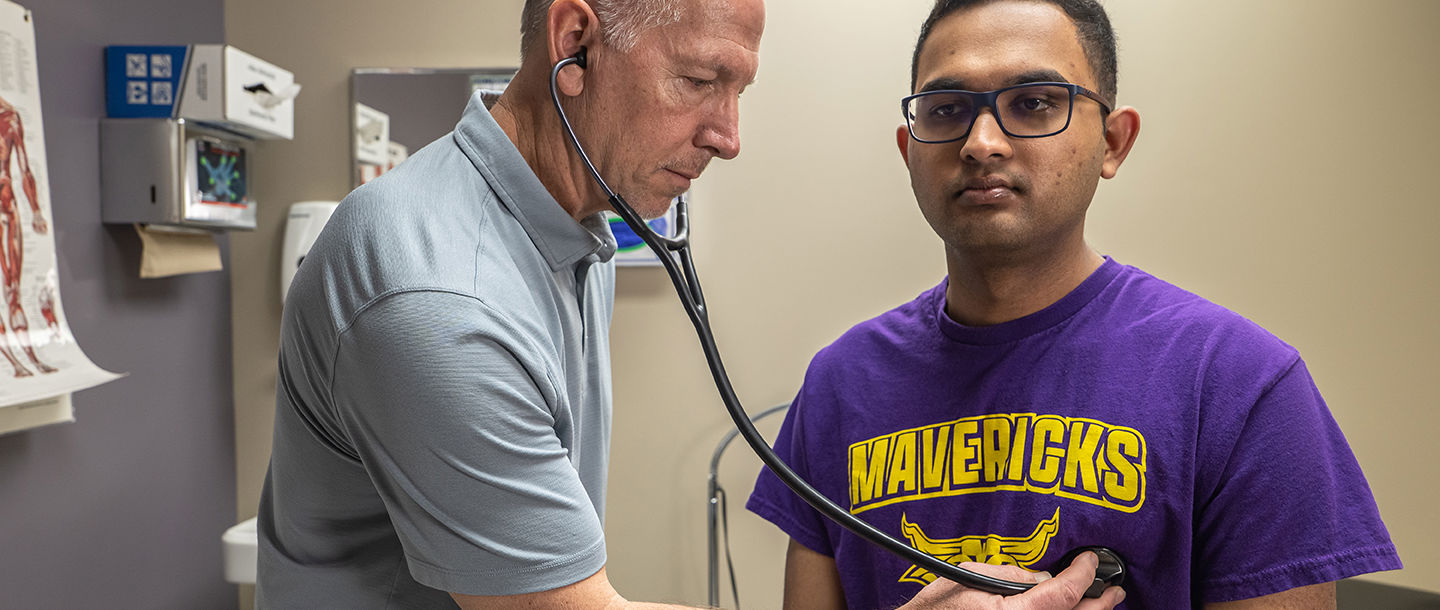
[{"x": 442, "y": 418}]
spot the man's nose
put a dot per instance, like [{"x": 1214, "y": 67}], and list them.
[
  {"x": 986, "y": 139},
  {"x": 722, "y": 133}
]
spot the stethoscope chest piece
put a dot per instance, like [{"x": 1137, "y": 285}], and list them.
[{"x": 1110, "y": 572}]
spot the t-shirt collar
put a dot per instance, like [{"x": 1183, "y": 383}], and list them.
[
  {"x": 558, "y": 237},
  {"x": 1026, "y": 326}
]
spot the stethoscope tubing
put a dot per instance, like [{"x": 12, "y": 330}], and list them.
[{"x": 687, "y": 287}]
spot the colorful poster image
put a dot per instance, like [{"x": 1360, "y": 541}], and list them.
[{"x": 39, "y": 359}]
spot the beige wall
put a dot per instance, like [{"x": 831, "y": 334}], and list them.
[{"x": 1279, "y": 172}]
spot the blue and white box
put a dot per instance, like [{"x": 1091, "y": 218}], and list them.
[
  {"x": 142, "y": 81},
  {"x": 211, "y": 83}
]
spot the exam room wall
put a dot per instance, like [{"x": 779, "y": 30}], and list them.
[
  {"x": 124, "y": 507},
  {"x": 1315, "y": 227}
]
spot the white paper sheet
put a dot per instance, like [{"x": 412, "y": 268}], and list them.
[{"x": 39, "y": 358}]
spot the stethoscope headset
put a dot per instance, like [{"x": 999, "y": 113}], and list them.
[{"x": 1111, "y": 569}]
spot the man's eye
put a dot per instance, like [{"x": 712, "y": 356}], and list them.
[
  {"x": 947, "y": 111},
  {"x": 1035, "y": 104},
  {"x": 700, "y": 82}
]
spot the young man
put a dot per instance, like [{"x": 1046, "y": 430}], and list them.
[
  {"x": 1045, "y": 397},
  {"x": 443, "y": 408}
]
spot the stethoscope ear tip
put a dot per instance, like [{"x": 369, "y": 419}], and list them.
[{"x": 1110, "y": 572}]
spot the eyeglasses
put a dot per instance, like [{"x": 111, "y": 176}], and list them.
[{"x": 1031, "y": 110}]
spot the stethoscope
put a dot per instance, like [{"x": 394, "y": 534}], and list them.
[{"x": 1111, "y": 570}]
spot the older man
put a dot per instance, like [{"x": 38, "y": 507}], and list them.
[{"x": 443, "y": 408}]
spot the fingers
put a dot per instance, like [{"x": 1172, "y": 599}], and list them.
[
  {"x": 1007, "y": 572},
  {"x": 933, "y": 595},
  {"x": 1067, "y": 589},
  {"x": 1111, "y": 598}
]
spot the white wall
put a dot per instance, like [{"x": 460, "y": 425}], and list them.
[{"x": 1279, "y": 172}]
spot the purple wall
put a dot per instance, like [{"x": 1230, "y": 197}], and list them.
[{"x": 125, "y": 507}]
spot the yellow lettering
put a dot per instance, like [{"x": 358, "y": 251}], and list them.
[
  {"x": 1017, "y": 449},
  {"x": 1047, "y": 451},
  {"x": 867, "y": 470},
  {"x": 1080, "y": 459},
  {"x": 936, "y": 445},
  {"x": 1122, "y": 451},
  {"x": 902, "y": 464},
  {"x": 1081, "y": 455},
  {"x": 996, "y": 448},
  {"x": 964, "y": 469}
]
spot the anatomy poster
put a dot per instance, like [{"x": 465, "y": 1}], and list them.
[{"x": 41, "y": 362}]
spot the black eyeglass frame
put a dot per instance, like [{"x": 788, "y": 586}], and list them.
[{"x": 987, "y": 99}]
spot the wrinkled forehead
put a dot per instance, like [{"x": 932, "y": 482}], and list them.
[
  {"x": 722, "y": 34},
  {"x": 998, "y": 44},
  {"x": 747, "y": 17}
]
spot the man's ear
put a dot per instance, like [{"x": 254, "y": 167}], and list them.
[
  {"x": 571, "y": 26},
  {"x": 1121, "y": 129},
  {"x": 902, "y": 140}
]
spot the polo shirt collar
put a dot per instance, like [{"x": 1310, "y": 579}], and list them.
[{"x": 557, "y": 236}]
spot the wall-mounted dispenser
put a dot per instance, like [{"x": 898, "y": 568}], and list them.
[
  {"x": 177, "y": 149},
  {"x": 174, "y": 172},
  {"x": 303, "y": 225}
]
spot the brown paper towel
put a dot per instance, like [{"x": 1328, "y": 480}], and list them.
[{"x": 166, "y": 251}]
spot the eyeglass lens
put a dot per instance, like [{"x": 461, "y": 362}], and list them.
[{"x": 1036, "y": 110}]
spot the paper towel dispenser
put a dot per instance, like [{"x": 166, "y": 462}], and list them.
[
  {"x": 174, "y": 172},
  {"x": 303, "y": 225}
]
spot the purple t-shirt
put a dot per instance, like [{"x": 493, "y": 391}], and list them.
[{"x": 1129, "y": 414}]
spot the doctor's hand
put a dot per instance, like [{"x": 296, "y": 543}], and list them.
[{"x": 1063, "y": 592}]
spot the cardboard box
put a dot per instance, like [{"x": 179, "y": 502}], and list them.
[{"x": 211, "y": 83}]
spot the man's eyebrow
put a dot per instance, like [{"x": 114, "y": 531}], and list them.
[
  {"x": 1037, "y": 76},
  {"x": 724, "y": 71},
  {"x": 1032, "y": 76},
  {"x": 942, "y": 84}
]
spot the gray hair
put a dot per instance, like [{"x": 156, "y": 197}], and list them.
[{"x": 621, "y": 21}]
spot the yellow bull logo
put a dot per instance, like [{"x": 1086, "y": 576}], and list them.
[{"x": 998, "y": 550}]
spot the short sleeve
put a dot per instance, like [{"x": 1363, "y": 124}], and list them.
[
  {"x": 776, "y": 503},
  {"x": 451, "y": 412},
  {"x": 1290, "y": 507}
]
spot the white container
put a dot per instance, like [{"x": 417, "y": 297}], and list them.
[
  {"x": 242, "y": 551},
  {"x": 227, "y": 86},
  {"x": 302, "y": 226}
]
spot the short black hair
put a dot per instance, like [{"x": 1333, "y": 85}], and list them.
[{"x": 1092, "y": 27}]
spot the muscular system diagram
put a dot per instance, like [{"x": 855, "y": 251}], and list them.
[
  {"x": 43, "y": 365},
  {"x": 15, "y": 327}
]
